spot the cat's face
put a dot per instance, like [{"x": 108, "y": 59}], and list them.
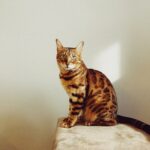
[{"x": 68, "y": 59}]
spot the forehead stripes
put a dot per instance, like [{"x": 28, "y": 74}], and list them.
[{"x": 69, "y": 49}]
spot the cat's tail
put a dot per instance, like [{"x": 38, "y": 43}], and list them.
[{"x": 134, "y": 122}]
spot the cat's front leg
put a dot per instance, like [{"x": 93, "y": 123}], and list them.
[
  {"x": 68, "y": 122},
  {"x": 75, "y": 111}
]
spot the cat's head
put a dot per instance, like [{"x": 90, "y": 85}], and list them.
[{"x": 68, "y": 58}]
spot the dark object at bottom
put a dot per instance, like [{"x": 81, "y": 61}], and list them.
[{"x": 134, "y": 122}]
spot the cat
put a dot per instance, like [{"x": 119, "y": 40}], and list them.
[{"x": 92, "y": 97}]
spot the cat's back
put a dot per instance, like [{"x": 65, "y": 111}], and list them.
[
  {"x": 98, "y": 82},
  {"x": 97, "y": 78}
]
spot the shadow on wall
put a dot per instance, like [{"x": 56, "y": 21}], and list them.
[
  {"x": 26, "y": 121},
  {"x": 124, "y": 66}
]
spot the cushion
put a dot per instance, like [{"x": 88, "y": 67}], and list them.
[{"x": 118, "y": 137}]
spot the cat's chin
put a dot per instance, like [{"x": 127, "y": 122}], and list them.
[
  {"x": 70, "y": 69},
  {"x": 67, "y": 68}
]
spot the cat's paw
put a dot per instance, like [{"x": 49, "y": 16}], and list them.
[
  {"x": 67, "y": 123},
  {"x": 88, "y": 123}
]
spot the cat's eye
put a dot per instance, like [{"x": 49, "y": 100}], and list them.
[
  {"x": 62, "y": 56},
  {"x": 73, "y": 56}
]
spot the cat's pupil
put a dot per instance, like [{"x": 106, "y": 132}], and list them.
[
  {"x": 73, "y": 56},
  {"x": 63, "y": 56}
]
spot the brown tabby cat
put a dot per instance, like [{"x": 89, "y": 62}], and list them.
[{"x": 91, "y": 95}]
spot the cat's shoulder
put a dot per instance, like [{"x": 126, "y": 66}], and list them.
[{"x": 96, "y": 72}]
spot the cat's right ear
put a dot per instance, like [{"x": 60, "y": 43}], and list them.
[{"x": 59, "y": 45}]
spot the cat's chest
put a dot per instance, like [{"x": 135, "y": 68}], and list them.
[{"x": 74, "y": 86}]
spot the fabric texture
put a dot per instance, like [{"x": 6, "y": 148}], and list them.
[{"x": 119, "y": 137}]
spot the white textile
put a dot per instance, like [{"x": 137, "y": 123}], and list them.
[{"x": 119, "y": 137}]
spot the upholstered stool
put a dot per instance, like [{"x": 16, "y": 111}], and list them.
[{"x": 119, "y": 137}]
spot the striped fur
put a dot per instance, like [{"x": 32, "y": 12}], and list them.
[{"x": 91, "y": 95}]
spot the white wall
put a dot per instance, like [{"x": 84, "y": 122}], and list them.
[{"x": 31, "y": 97}]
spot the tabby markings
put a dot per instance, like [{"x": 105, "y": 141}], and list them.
[
  {"x": 106, "y": 90},
  {"x": 75, "y": 113},
  {"x": 78, "y": 95},
  {"x": 75, "y": 86},
  {"x": 77, "y": 108},
  {"x": 69, "y": 77},
  {"x": 101, "y": 80},
  {"x": 76, "y": 102}
]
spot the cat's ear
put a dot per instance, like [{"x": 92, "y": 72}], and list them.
[
  {"x": 80, "y": 47},
  {"x": 59, "y": 45}
]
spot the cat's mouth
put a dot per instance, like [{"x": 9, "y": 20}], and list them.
[{"x": 70, "y": 67}]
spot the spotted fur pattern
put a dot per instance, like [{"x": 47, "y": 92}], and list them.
[
  {"x": 91, "y": 95},
  {"x": 92, "y": 98}
]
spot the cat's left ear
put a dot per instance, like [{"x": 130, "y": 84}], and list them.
[{"x": 80, "y": 47}]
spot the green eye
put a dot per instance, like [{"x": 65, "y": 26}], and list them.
[
  {"x": 62, "y": 56},
  {"x": 73, "y": 56}
]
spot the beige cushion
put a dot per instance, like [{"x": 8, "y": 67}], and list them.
[{"x": 119, "y": 137}]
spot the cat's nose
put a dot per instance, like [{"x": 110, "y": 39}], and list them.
[{"x": 67, "y": 64}]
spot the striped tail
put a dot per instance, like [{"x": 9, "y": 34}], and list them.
[{"x": 134, "y": 122}]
